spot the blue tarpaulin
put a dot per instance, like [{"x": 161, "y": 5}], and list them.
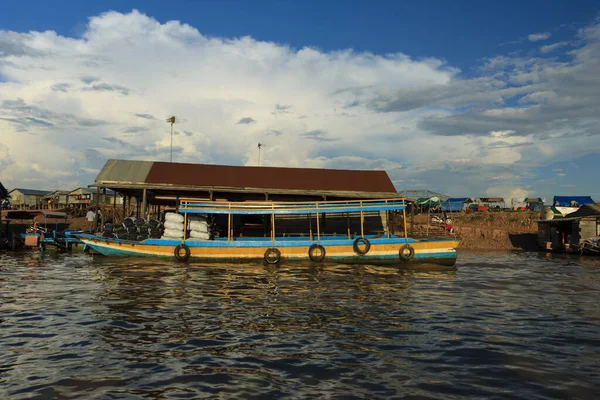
[
  {"x": 570, "y": 201},
  {"x": 454, "y": 204}
]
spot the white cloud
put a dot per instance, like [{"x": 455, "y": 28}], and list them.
[
  {"x": 536, "y": 37},
  {"x": 508, "y": 193},
  {"x": 108, "y": 93},
  {"x": 551, "y": 47}
]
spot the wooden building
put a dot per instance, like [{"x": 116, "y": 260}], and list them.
[
  {"x": 570, "y": 233},
  {"x": 55, "y": 199},
  {"x": 27, "y": 198},
  {"x": 493, "y": 203},
  {"x": 149, "y": 188},
  {"x": 86, "y": 197}
]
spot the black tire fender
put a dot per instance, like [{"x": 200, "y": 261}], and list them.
[
  {"x": 272, "y": 255},
  {"x": 185, "y": 257},
  {"x": 406, "y": 256},
  {"x": 357, "y": 243},
  {"x": 316, "y": 252}
]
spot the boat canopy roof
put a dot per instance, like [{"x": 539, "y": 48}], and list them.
[{"x": 194, "y": 207}]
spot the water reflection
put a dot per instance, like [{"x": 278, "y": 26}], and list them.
[{"x": 500, "y": 325}]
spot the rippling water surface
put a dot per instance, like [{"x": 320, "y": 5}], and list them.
[{"x": 499, "y": 326}]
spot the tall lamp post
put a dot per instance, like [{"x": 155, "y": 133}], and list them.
[
  {"x": 172, "y": 121},
  {"x": 259, "y": 146}
]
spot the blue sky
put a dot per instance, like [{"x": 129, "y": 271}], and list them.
[
  {"x": 461, "y": 32},
  {"x": 468, "y": 98}
]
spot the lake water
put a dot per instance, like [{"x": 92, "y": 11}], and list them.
[{"x": 499, "y": 326}]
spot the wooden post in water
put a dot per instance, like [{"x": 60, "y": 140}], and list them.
[
  {"x": 428, "y": 219},
  {"x": 412, "y": 219},
  {"x": 114, "y": 218},
  {"x": 97, "y": 209},
  {"x": 144, "y": 203}
]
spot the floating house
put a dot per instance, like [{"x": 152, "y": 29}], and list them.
[
  {"x": 56, "y": 199},
  {"x": 85, "y": 197},
  {"x": 150, "y": 188},
  {"x": 577, "y": 231},
  {"x": 27, "y": 198}
]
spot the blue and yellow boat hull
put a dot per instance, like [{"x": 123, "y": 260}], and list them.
[{"x": 383, "y": 250}]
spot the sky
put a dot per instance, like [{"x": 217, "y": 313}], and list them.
[{"x": 465, "y": 98}]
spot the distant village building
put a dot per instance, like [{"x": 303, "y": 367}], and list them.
[
  {"x": 26, "y": 198},
  {"x": 493, "y": 203},
  {"x": 455, "y": 204},
  {"x": 83, "y": 197},
  {"x": 56, "y": 199},
  {"x": 573, "y": 232}
]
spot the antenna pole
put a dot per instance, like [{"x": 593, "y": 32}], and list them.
[
  {"x": 171, "y": 141},
  {"x": 259, "y": 146},
  {"x": 171, "y": 120}
]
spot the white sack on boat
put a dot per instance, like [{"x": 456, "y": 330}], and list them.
[
  {"x": 175, "y": 233},
  {"x": 170, "y": 238},
  {"x": 197, "y": 217},
  {"x": 200, "y": 235},
  {"x": 173, "y": 217},
  {"x": 174, "y": 225},
  {"x": 198, "y": 226}
]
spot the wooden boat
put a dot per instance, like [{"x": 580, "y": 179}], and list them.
[
  {"x": 374, "y": 249},
  {"x": 28, "y": 233}
]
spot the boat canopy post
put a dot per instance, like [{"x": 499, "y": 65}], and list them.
[
  {"x": 387, "y": 223},
  {"x": 229, "y": 225},
  {"x": 273, "y": 223},
  {"x": 310, "y": 234},
  {"x": 362, "y": 221},
  {"x": 348, "y": 224},
  {"x": 318, "y": 227},
  {"x": 404, "y": 222},
  {"x": 184, "y": 226},
  {"x": 273, "y": 227}
]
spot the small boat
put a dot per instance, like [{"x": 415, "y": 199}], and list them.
[
  {"x": 383, "y": 248},
  {"x": 46, "y": 234}
]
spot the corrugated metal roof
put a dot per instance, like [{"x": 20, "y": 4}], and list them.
[
  {"x": 124, "y": 171},
  {"x": 586, "y": 210},
  {"x": 222, "y": 177},
  {"x": 31, "y": 192},
  {"x": 270, "y": 178}
]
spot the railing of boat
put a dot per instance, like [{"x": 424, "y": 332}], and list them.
[
  {"x": 278, "y": 208},
  {"x": 271, "y": 207}
]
